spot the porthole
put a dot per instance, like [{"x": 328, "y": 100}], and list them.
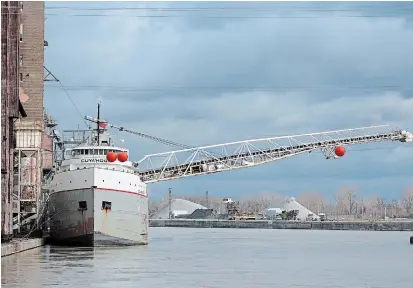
[{"x": 82, "y": 206}]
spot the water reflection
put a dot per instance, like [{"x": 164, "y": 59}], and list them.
[
  {"x": 233, "y": 258},
  {"x": 69, "y": 256}
]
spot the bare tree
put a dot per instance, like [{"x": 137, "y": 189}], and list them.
[
  {"x": 408, "y": 201},
  {"x": 351, "y": 200},
  {"x": 361, "y": 209},
  {"x": 257, "y": 204},
  {"x": 346, "y": 199},
  {"x": 380, "y": 205},
  {"x": 339, "y": 204},
  {"x": 396, "y": 208},
  {"x": 313, "y": 201}
]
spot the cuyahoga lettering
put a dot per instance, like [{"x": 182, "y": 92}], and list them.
[{"x": 93, "y": 160}]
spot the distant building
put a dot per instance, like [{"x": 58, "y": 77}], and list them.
[
  {"x": 178, "y": 207},
  {"x": 303, "y": 213},
  {"x": 273, "y": 213},
  {"x": 289, "y": 204}
]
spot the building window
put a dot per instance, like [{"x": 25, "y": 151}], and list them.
[
  {"x": 21, "y": 6},
  {"x": 21, "y": 76},
  {"x": 21, "y": 32},
  {"x": 21, "y": 60}
]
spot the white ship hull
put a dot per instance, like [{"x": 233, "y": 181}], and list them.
[{"x": 95, "y": 206}]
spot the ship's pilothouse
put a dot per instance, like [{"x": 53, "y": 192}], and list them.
[
  {"x": 97, "y": 155},
  {"x": 99, "y": 151},
  {"x": 112, "y": 158}
]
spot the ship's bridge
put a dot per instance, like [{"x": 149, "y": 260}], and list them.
[
  {"x": 90, "y": 152},
  {"x": 108, "y": 157}
]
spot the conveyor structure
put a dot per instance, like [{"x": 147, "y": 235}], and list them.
[{"x": 193, "y": 161}]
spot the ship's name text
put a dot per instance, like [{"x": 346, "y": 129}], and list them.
[{"x": 93, "y": 160}]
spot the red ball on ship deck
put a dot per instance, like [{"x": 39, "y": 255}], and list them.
[
  {"x": 111, "y": 157},
  {"x": 122, "y": 156},
  {"x": 340, "y": 151}
]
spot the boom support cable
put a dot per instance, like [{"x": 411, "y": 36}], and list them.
[{"x": 146, "y": 136}]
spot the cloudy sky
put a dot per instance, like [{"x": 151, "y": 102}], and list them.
[{"x": 203, "y": 73}]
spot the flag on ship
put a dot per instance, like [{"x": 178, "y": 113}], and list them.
[{"x": 102, "y": 124}]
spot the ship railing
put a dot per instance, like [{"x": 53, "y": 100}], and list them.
[{"x": 72, "y": 167}]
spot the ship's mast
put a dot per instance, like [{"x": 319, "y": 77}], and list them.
[{"x": 97, "y": 123}]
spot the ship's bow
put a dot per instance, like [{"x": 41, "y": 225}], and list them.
[{"x": 120, "y": 218}]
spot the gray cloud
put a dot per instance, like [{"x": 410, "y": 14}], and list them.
[{"x": 203, "y": 81}]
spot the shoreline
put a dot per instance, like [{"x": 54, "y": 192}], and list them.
[
  {"x": 280, "y": 224},
  {"x": 18, "y": 245}
]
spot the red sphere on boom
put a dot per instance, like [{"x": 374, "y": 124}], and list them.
[
  {"x": 111, "y": 157},
  {"x": 340, "y": 151},
  {"x": 122, "y": 156}
]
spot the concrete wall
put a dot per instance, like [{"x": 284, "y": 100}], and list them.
[
  {"x": 264, "y": 224},
  {"x": 20, "y": 245}
]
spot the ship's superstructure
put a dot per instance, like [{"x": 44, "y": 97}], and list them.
[{"x": 96, "y": 195}]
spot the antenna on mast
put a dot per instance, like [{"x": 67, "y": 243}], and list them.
[{"x": 98, "y": 123}]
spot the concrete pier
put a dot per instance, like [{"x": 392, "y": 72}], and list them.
[
  {"x": 270, "y": 224},
  {"x": 20, "y": 245}
]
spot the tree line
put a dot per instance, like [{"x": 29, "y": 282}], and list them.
[{"x": 348, "y": 202}]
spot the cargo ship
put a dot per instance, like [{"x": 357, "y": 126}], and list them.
[{"x": 96, "y": 195}]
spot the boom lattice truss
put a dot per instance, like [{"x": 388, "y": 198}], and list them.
[{"x": 242, "y": 154}]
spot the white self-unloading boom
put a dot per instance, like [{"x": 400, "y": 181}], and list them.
[
  {"x": 249, "y": 153},
  {"x": 193, "y": 161}
]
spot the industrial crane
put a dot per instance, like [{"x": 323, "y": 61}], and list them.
[{"x": 193, "y": 161}]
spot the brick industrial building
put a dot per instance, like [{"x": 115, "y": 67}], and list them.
[
  {"x": 22, "y": 113},
  {"x": 11, "y": 107}
]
